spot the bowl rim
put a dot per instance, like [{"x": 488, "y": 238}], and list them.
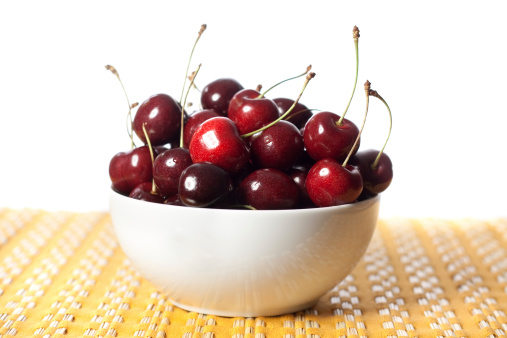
[{"x": 342, "y": 208}]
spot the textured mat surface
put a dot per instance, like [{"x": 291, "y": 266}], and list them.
[{"x": 63, "y": 275}]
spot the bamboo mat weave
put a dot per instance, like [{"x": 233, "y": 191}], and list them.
[{"x": 62, "y": 274}]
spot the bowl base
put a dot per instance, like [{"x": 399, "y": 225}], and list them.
[{"x": 246, "y": 313}]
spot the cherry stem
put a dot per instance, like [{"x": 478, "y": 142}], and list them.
[
  {"x": 377, "y": 159},
  {"x": 203, "y": 28},
  {"x": 367, "y": 90},
  {"x": 279, "y": 83},
  {"x": 183, "y": 105},
  {"x": 299, "y": 112},
  {"x": 355, "y": 35},
  {"x": 153, "y": 186},
  {"x": 191, "y": 77},
  {"x": 130, "y": 123},
  {"x": 309, "y": 76}
]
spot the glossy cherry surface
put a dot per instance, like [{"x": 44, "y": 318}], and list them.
[
  {"x": 217, "y": 94},
  {"x": 203, "y": 184},
  {"x": 217, "y": 141},
  {"x": 277, "y": 147},
  {"x": 324, "y": 138},
  {"x": 130, "y": 168},
  {"x": 167, "y": 169},
  {"x": 161, "y": 115},
  {"x": 299, "y": 115},
  {"x": 375, "y": 180},
  {"x": 298, "y": 175},
  {"x": 329, "y": 183},
  {"x": 268, "y": 189},
  {"x": 250, "y": 112},
  {"x": 195, "y": 121},
  {"x": 144, "y": 192}
]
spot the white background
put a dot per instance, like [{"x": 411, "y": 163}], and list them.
[{"x": 441, "y": 66}]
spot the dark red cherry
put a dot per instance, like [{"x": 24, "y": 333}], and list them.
[
  {"x": 324, "y": 138},
  {"x": 217, "y": 141},
  {"x": 299, "y": 176},
  {"x": 144, "y": 192},
  {"x": 249, "y": 112},
  {"x": 378, "y": 179},
  {"x": 268, "y": 189},
  {"x": 130, "y": 168},
  {"x": 217, "y": 94},
  {"x": 329, "y": 183},
  {"x": 203, "y": 184},
  {"x": 195, "y": 121},
  {"x": 167, "y": 169},
  {"x": 278, "y": 146},
  {"x": 174, "y": 200},
  {"x": 161, "y": 115},
  {"x": 299, "y": 115}
]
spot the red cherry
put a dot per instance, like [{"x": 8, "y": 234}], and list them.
[
  {"x": 268, "y": 189},
  {"x": 375, "y": 179},
  {"x": 277, "y": 147},
  {"x": 195, "y": 121},
  {"x": 250, "y": 112},
  {"x": 203, "y": 184},
  {"x": 375, "y": 166},
  {"x": 144, "y": 192},
  {"x": 217, "y": 94},
  {"x": 174, "y": 200},
  {"x": 161, "y": 115},
  {"x": 325, "y": 138},
  {"x": 329, "y": 183},
  {"x": 299, "y": 115},
  {"x": 299, "y": 176},
  {"x": 217, "y": 141},
  {"x": 167, "y": 169},
  {"x": 130, "y": 168}
]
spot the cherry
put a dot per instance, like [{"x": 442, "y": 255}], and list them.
[
  {"x": 329, "y": 135},
  {"x": 329, "y": 183},
  {"x": 298, "y": 174},
  {"x": 203, "y": 184},
  {"x": 277, "y": 147},
  {"x": 167, "y": 169},
  {"x": 143, "y": 192},
  {"x": 130, "y": 168},
  {"x": 250, "y": 110},
  {"x": 217, "y": 94},
  {"x": 375, "y": 166},
  {"x": 324, "y": 137},
  {"x": 268, "y": 189},
  {"x": 308, "y": 77},
  {"x": 299, "y": 115},
  {"x": 174, "y": 200},
  {"x": 195, "y": 121},
  {"x": 161, "y": 115},
  {"x": 217, "y": 141},
  {"x": 376, "y": 178}
]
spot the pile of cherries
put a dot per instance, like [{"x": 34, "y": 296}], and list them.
[{"x": 244, "y": 150}]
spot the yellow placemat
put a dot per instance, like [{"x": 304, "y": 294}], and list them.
[{"x": 63, "y": 274}]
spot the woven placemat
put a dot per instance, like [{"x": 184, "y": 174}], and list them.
[{"x": 62, "y": 274}]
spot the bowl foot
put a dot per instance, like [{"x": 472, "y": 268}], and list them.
[{"x": 262, "y": 312}]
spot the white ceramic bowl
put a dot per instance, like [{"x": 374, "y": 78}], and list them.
[{"x": 244, "y": 263}]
